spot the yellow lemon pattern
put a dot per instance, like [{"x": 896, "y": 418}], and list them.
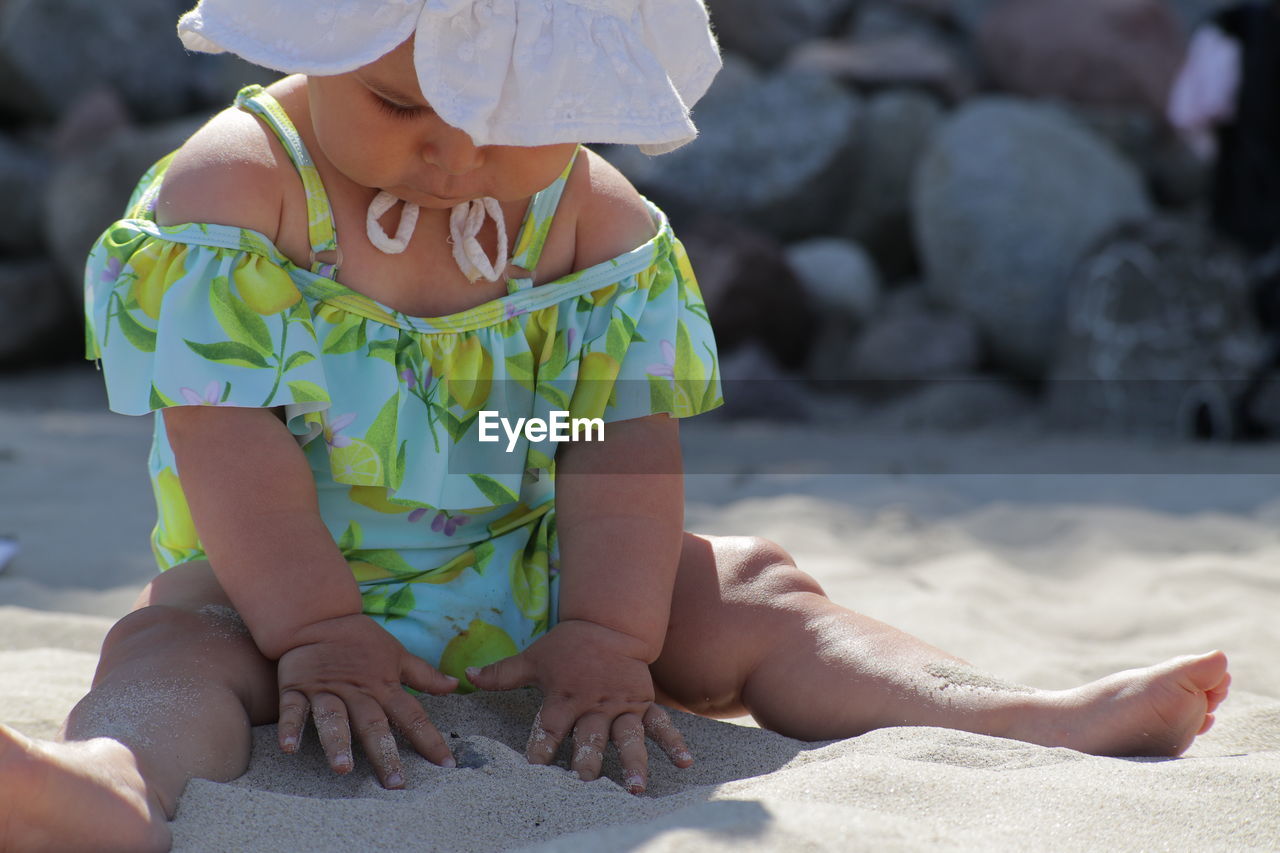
[{"x": 451, "y": 540}]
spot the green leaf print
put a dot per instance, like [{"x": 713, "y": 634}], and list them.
[
  {"x": 344, "y": 337},
  {"x": 493, "y": 490},
  {"x": 381, "y": 435},
  {"x": 710, "y": 399},
  {"x": 616, "y": 340},
  {"x": 689, "y": 370},
  {"x": 298, "y": 359},
  {"x": 520, "y": 368},
  {"x": 383, "y": 558},
  {"x": 394, "y": 606},
  {"x": 229, "y": 352},
  {"x": 397, "y": 473},
  {"x": 660, "y": 395},
  {"x": 237, "y": 319},
  {"x": 385, "y": 350},
  {"x": 663, "y": 278},
  {"x": 351, "y": 537},
  {"x": 138, "y": 335},
  {"x": 484, "y": 555},
  {"x": 158, "y": 400},
  {"x": 308, "y": 392},
  {"x": 558, "y": 398}
]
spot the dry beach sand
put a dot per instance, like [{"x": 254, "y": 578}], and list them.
[{"x": 1044, "y": 561}]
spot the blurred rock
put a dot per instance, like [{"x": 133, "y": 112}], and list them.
[
  {"x": 52, "y": 50},
  {"x": 839, "y": 277},
  {"x": 1160, "y": 337},
  {"x": 1112, "y": 52},
  {"x": 766, "y": 31},
  {"x": 773, "y": 151},
  {"x": 1008, "y": 198},
  {"x": 969, "y": 14},
  {"x": 1193, "y": 12},
  {"x": 899, "y": 127},
  {"x": 756, "y": 388},
  {"x": 912, "y": 340},
  {"x": 94, "y": 116},
  {"x": 1264, "y": 408},
  {"x": 89, "y": 189},
  {"x": 967, "y": 403},
  {"x": 1175, "y": 176},
  {"x": 876, "y": 19},
  {"x": 34, "y": 310},
  {"x": 24, "y": 174},
  {"x": 889, "y": 61},
  {"x": 750, "y": 291}
]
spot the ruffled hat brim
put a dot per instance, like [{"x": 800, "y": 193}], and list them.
[{"x": 507, "y": 72}]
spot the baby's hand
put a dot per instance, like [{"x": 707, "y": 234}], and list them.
[
  {"x": 348, "y": 673},
  {"x": 594, "y": 686}
]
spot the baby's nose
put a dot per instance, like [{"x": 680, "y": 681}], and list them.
[{"x": 452, "y": 151}]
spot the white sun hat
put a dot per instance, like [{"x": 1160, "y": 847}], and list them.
[{"x": 507, "y": 72}]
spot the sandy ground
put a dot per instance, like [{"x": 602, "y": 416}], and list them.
[{"x": 1048, "y": 561}]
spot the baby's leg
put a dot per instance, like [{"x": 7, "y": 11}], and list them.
[
  {"x": 179, "y": 683},
  {"x": 750, "y": 633}
]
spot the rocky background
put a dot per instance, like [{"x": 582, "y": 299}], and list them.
[{"x": 932, "y": 213}]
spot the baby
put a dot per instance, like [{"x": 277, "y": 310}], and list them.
[{"x": 310, "y": 295}]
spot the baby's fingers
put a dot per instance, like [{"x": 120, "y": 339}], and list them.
[
  {"x": 590, "y": 736},
  {"x": 663, "y": 732},
  {"x": 550, "y": 727},
  {"x": 371, "y": 726},
  {"x": 293, "y": 717},
  {"x": 335, "y": 733},
  {"x": 628, "y": 736},
  {"x": 413, "y": 722}
]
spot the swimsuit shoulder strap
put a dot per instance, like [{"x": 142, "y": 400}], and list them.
[
  {"x": 538, "y": 218},
  {"x": 321, "y": 231}
]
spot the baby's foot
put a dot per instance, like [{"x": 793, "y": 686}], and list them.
[
  {"x": 1156, "y": 710},
  {"x": 83, "y": 795}
]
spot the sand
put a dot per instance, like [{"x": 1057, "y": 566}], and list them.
[{"x": 985, "y": 544}]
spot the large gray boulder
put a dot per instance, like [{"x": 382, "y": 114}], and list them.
[
  {"x": 766, "y": 30},
  {"x": 900, "y": 125},
  {"x": 24, "y": 172},
  {"x": 52, "y": 50},
  {"x": 1161, "y": 336},
  {"x": 89, "y": 189},
  {"x": 34, "y": 311},
  {"x": 775, "y": 151},
  {"x": 1008, "y": 198}
]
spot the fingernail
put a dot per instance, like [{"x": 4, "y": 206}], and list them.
[
  {"x": 684, "y": 756},
  {"x": 343, "y": 759},
  {"x": 635, "y": 783},
  {"x": 473, "y": 671},
  {"x": 395, "y": 780},
  {"x": 291, "y": 743},
  {"x": 449, "y": 762}
]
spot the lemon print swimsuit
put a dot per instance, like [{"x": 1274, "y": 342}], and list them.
[{"x": 452, "y": 540}]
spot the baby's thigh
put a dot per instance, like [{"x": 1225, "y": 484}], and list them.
[{"x": 183, "y": 623}]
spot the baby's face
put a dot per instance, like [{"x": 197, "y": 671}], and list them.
[{"x": 375, "y": 127}]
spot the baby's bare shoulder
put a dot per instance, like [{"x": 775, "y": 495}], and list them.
[
  {"x": 612, "y": 217},
  {"x": 228, "y": 173}
]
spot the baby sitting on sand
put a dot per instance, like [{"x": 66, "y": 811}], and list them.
[{"x": 309, "y": 295}]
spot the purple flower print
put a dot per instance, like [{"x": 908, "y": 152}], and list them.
[
  {"x": 212, "y": 395},
  {"x": 333, "y": 430},
  {"x": 568, "y": 339},
  {"x": 443, "y": 522},
  {"x": 666, "y": 369},
  {"x": 111, "y": 270},
  {"x": 408, "y": 377},
  {"x": 513, "y": 310}
]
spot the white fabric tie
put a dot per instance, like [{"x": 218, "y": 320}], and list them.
[
  {"x": 465, "y": 222},
  {"x": 404, "y": 231}
]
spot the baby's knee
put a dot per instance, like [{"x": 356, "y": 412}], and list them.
[
  {"x": 757, "y": 567},
  {"x": 162, "y": 626}
]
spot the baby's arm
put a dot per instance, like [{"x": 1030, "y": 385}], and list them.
[{"x": 254, "y": 504}]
